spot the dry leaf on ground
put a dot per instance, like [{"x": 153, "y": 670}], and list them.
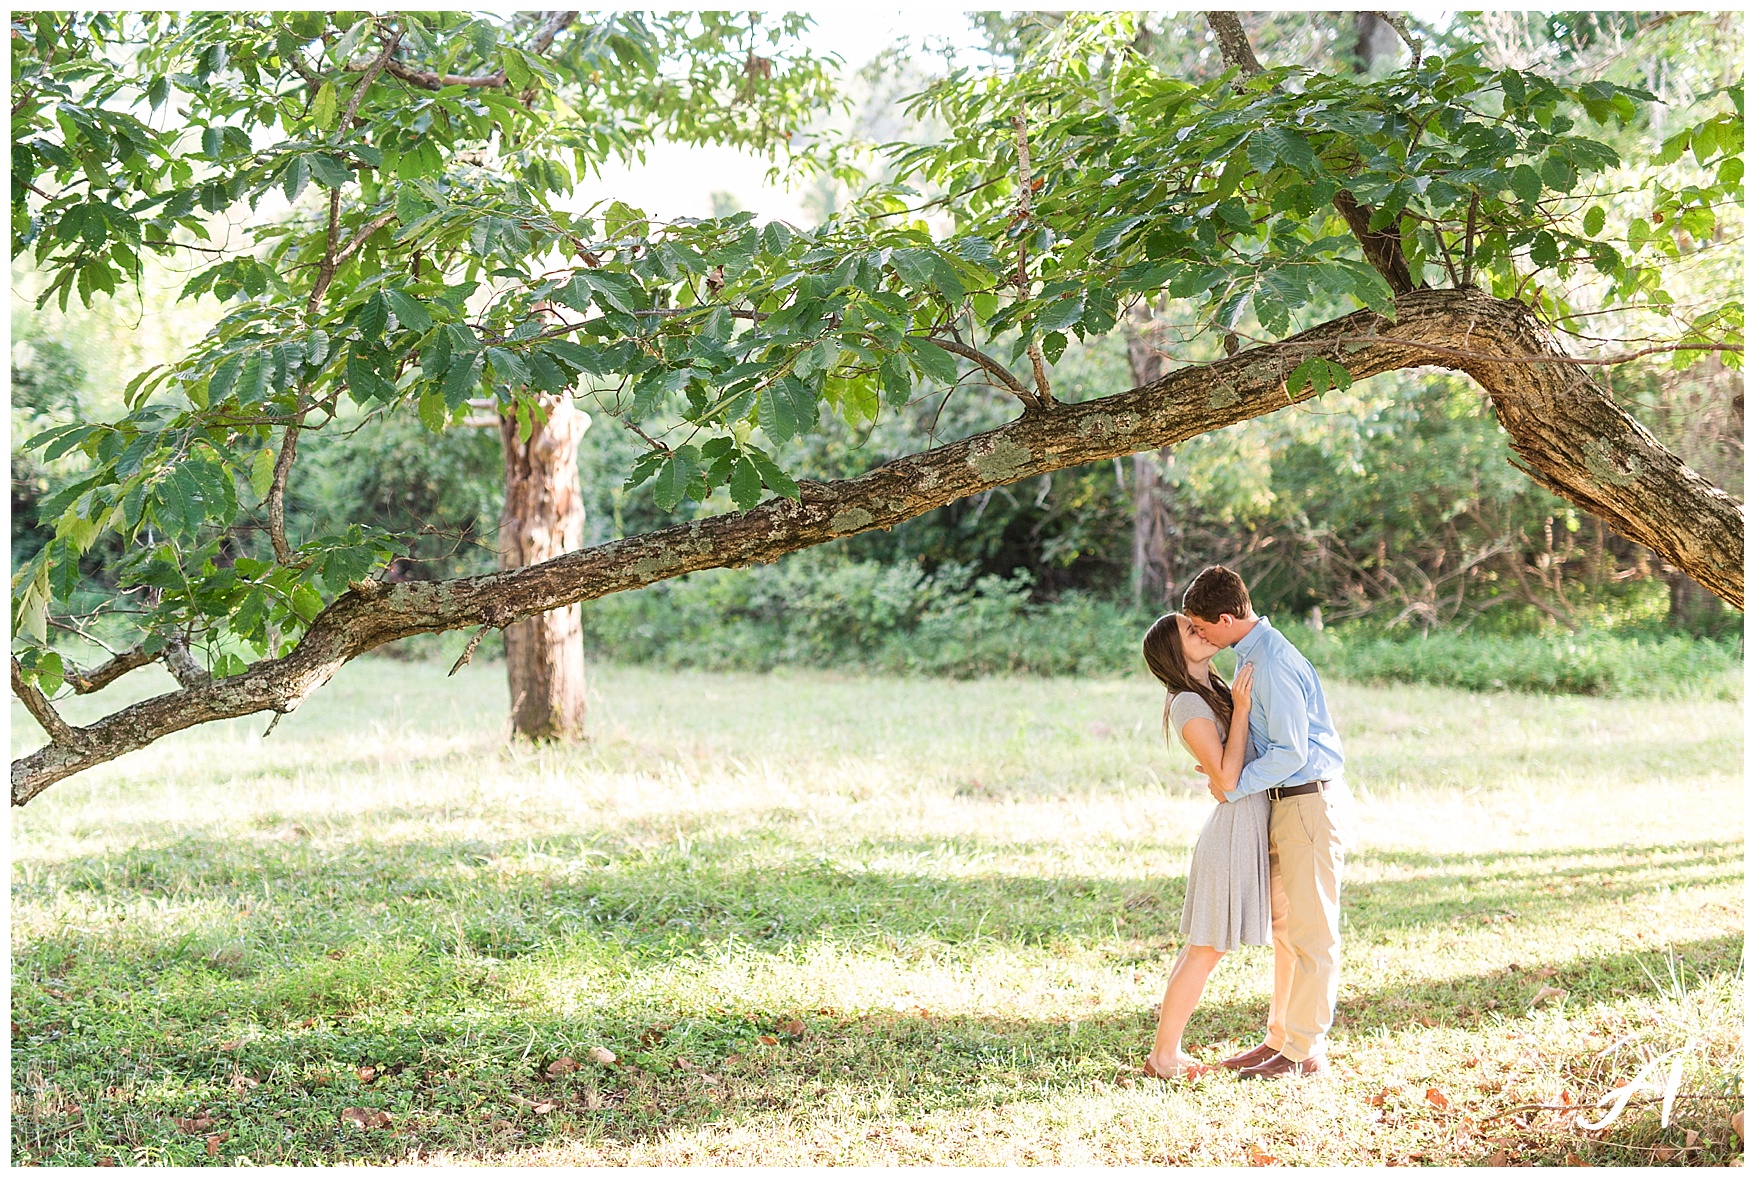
[
  {"x": 196, "y": 1124},
  {"x": 214, "y": 1140},
  {"x": 1737, "y": 1124},
  {"x": 1259, "y": 1156},
  {"x": 1573, "y": 1159},
  {"x": 367, "y": 1074},
  {"x": 366, "y": 1118},
  {"x": 792, "y": 1027},
  {"x": 1436, "y": 1098},
  {"x": 601, "y": 1055},
  {"x": 561, "y": 1067},
  {"x": 1498, "y": 1158},
  {"x": 1689, "y": 1138},
  {"x": 1546, "y": 994},
  {"x": 767, "y": 1039}
]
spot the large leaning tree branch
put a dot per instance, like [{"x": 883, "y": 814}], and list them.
[{"x": 1564, "y": 430}]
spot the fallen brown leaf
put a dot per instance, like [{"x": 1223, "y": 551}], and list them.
[
  {"x": 1498, "y": 1158},
  {"x": 1689, "y": 1138},
  {"x": 653, "y": 1034},
  {"x": 1547, "y": 971},
  {"x": 768, "y": 1039},
  {"x": 1663, "y": 1153},
  {"x": 196, "y": 1124},
  {"x": 1737, "y": 1124},
  {"x": 543, "y": 1109},
  {"x": 1436, "y": 1098},
  {"x": 601, "y": 1055},
  {"x": 1573, "y": 1159},
  {"x": 106, "y": 1161},
  {"x": 1378, "y": 1100},
  {"x": 561, "y": 1067},
  {"x": 55, "y": 993},
  {"x": 243, "y": 1083},
  {"x": 214, "y": 1140},
  {"x": 684, "y": 1065},
  {"x": 231, "y": 1045},
  {"x": 1258, "y": 1156},
  {"x": 1547, "y": 993},
  {"x": 367, "y": 1074},
  {"x": 1426, "y": 1020},
  {"x": 366, "y": 1118},
  {"x": 792, "y": 1027}
]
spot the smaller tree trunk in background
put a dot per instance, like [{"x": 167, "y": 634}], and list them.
[
  {"x": 543, "y": 517},
  {"x": 1152, "y": 545}
]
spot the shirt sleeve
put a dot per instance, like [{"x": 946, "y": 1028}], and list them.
[{"x": 1287, "y": 714}]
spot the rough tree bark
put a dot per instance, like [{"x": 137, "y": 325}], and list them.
[
  {"x": 1151, "y": 490},
  {"x": 1565, "y": 431},
  {"x": 544, "y": 517}
]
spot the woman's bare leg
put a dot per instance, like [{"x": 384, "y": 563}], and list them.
[{"x": 1188, "y": 977}]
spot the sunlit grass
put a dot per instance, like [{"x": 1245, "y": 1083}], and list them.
[{"x": 963, "y": 893}]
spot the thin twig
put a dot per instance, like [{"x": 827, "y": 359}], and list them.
[
  {"x": 468, "y": 651},
  {"x": 987, "y": 364},
  {"x": 1038, "y": 365}
]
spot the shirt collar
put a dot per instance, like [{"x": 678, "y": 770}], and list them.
[{"x": 1251, "y": 640}]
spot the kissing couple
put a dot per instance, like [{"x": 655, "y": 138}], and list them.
[{"x": 1267, "y": 865}]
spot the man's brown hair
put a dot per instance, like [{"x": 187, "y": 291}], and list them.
[{"x": 1216, "y": 590}]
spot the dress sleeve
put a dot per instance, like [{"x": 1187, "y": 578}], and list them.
[{"x": 1185, "y": 707}]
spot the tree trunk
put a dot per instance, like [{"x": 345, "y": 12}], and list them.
[
  {"x": 544, "y": 517},
  {"x": 1152, "y": 557},
  {"x": 1564, "y": 430}
]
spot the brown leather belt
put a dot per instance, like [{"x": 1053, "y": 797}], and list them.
[{"x": 1296, "y": 791}]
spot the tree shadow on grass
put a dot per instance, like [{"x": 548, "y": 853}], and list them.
[{"x": 384, "y": 954}]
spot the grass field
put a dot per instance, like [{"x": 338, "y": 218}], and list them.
[{"x": 835, "y": 920}]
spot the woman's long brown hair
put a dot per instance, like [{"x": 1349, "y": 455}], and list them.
[{"x": 1164, "y": 655}]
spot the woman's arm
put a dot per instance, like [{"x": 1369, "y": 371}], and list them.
[{"x": 1223, "y": 763}]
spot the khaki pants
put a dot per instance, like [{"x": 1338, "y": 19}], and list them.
[{"x": 1307, "y": 840}]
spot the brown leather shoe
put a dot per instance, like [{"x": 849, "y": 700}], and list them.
[
  {"x": 1279, "y": 1067},
  {"x": 1255, "y": 1055}
]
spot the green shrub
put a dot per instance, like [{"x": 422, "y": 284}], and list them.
[{"x": 814, "y": 610}]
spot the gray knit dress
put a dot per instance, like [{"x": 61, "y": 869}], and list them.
[{"x": 1227, "y": 903}]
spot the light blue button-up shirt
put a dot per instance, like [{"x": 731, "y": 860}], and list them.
[{"x": 1291, "y": 738}]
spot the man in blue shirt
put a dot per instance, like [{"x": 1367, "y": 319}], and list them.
[{"x": 1296, "y": 757}]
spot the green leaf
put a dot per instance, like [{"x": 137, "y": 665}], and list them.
[
  {"x": 1319, "y": 375},
  {"x": 432, "y": 410},
  {"x": 674, "y": 477},
  {"x": 307, "y": 603},
  {"x": 775, "y": 413},
  {"x": 776, "y": 236},
  {"x": 410, "y": 311},
  {"x": 295, "y": 176},
  {"x": 1291, "y": 148},
  {"x": 253, "y": 380},
  {"x": 934, "y": 361},
  {"x": 225, "y": 376},
  {"x": 1527, "y": 183},
  {"x": 373, "y": 316},
  {"x": 746, "y": 484},
  {"x": 777, "y": 480},
  {"x": 329, "y": 170},
  {"x": 324, "y": 108},
  {"x": 1594, "y": 219},
  {"x": 262, "y": 473}
]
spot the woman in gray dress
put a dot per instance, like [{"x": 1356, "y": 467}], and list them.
[{"x": 1227, "y": 903}]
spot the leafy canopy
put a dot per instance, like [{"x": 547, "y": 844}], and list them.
[{"x": 452, "y": 269}]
